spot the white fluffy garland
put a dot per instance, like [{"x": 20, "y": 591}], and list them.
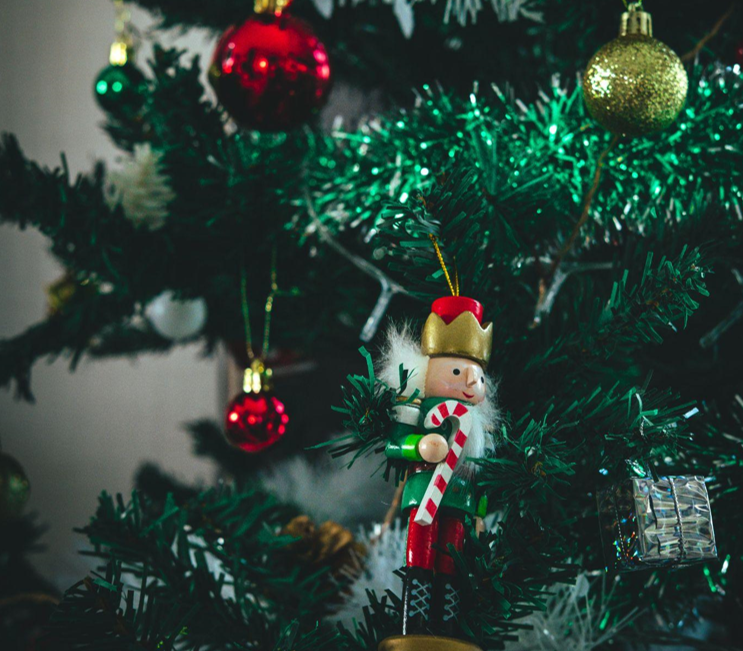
[
  {"x": 573, "y": 619},
  {"x": 326, "y": 490},
  {"x": 375, "y": 572}
]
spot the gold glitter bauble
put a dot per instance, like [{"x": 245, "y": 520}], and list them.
[{"x": 635, "y": 85}]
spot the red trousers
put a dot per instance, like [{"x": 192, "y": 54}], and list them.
[{"x": 427, "y": 545}]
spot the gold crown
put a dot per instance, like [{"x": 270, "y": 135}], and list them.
[{"x": 463, "y": 337}]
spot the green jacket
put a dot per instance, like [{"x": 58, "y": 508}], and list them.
[{"x": 407, "y": 431}]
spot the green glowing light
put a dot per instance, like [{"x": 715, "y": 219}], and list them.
[{"x": 101, "y": 87}]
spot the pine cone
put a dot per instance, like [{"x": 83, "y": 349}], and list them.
[{"x": 329, "y": 544}]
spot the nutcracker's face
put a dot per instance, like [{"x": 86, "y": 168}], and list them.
[{"x": 456, "y": 377}]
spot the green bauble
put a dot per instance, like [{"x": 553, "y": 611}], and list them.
[
  {"x": 14, "y": 487},
  {"x": 120, "y": 89}
]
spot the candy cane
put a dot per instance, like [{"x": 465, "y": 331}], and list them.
[{"x": 444, "y": 470}]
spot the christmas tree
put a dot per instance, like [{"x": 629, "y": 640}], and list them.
[{"x": 560, "y": 451}]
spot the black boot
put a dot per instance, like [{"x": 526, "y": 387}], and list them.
[
  {"x": 446, "y": 605},
  {"x": 416, "y": 601}
]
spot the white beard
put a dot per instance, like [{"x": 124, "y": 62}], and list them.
[
  {"x": 481, "y": 440},
  {"x": 403, "y": 348}
]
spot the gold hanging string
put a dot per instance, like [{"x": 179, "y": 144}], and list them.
[
  {"x": 454, "y": 290},
  {"x": 269, "y": 303},
  {"x": 124, "y": 41},
  {"x": 246, "y": 313},
  {"x": 268, "y": 310},
  {"x": 122, "y": 17}
]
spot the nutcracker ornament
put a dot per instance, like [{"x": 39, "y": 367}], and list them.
[{"x": 447, "y": 419}]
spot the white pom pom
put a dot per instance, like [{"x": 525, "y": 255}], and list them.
[
  {"x": 174, "y": 319},
  {"x": 142, "y": 189}
]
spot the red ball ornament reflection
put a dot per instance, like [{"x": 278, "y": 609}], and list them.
[
  {"x": 271, "y": 73},
  {"x": 255, "y": 421}
]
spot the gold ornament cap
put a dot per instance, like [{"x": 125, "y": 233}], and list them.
[
  {"x": 275, "y": 7},
  {"x": 122, "y": 49},
  {"x": 454, "y": 328},
  {"x": 636, "y": 21},
  {"x": 425, "y": 643},
  {"x": 258, "y": 377},
  {"x": 121, "y": 52}
]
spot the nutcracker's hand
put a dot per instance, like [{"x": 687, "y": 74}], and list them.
[{"x": 433, "y": 448}]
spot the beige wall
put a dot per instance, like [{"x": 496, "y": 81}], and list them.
[{"x": 89, "y": 430}]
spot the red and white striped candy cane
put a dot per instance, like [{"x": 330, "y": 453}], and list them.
[{"x": 444, "y": 470}]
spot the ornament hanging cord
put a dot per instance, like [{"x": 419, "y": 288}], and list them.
[
  {"x": 454, "y": 288},
  {"x": 124, "y": 44},
  {"x": 268, "y": 310},
  {"x": 122, "y": 17}
]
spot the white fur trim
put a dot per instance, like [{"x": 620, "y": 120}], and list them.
[
  {"x": 402, "y": 346},
  {"x": 481, "y": 441}
]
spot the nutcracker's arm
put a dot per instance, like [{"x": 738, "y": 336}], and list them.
[{"x": 405, "y": 434}]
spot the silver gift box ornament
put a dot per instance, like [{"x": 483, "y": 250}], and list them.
[{"x": 647, "y": 523}]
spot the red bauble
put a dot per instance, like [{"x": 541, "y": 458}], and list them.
[
  {"x": 255, "y": 421},
  {"x": 271, "y": 73},
  {"x": 739, "y": 54}
]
